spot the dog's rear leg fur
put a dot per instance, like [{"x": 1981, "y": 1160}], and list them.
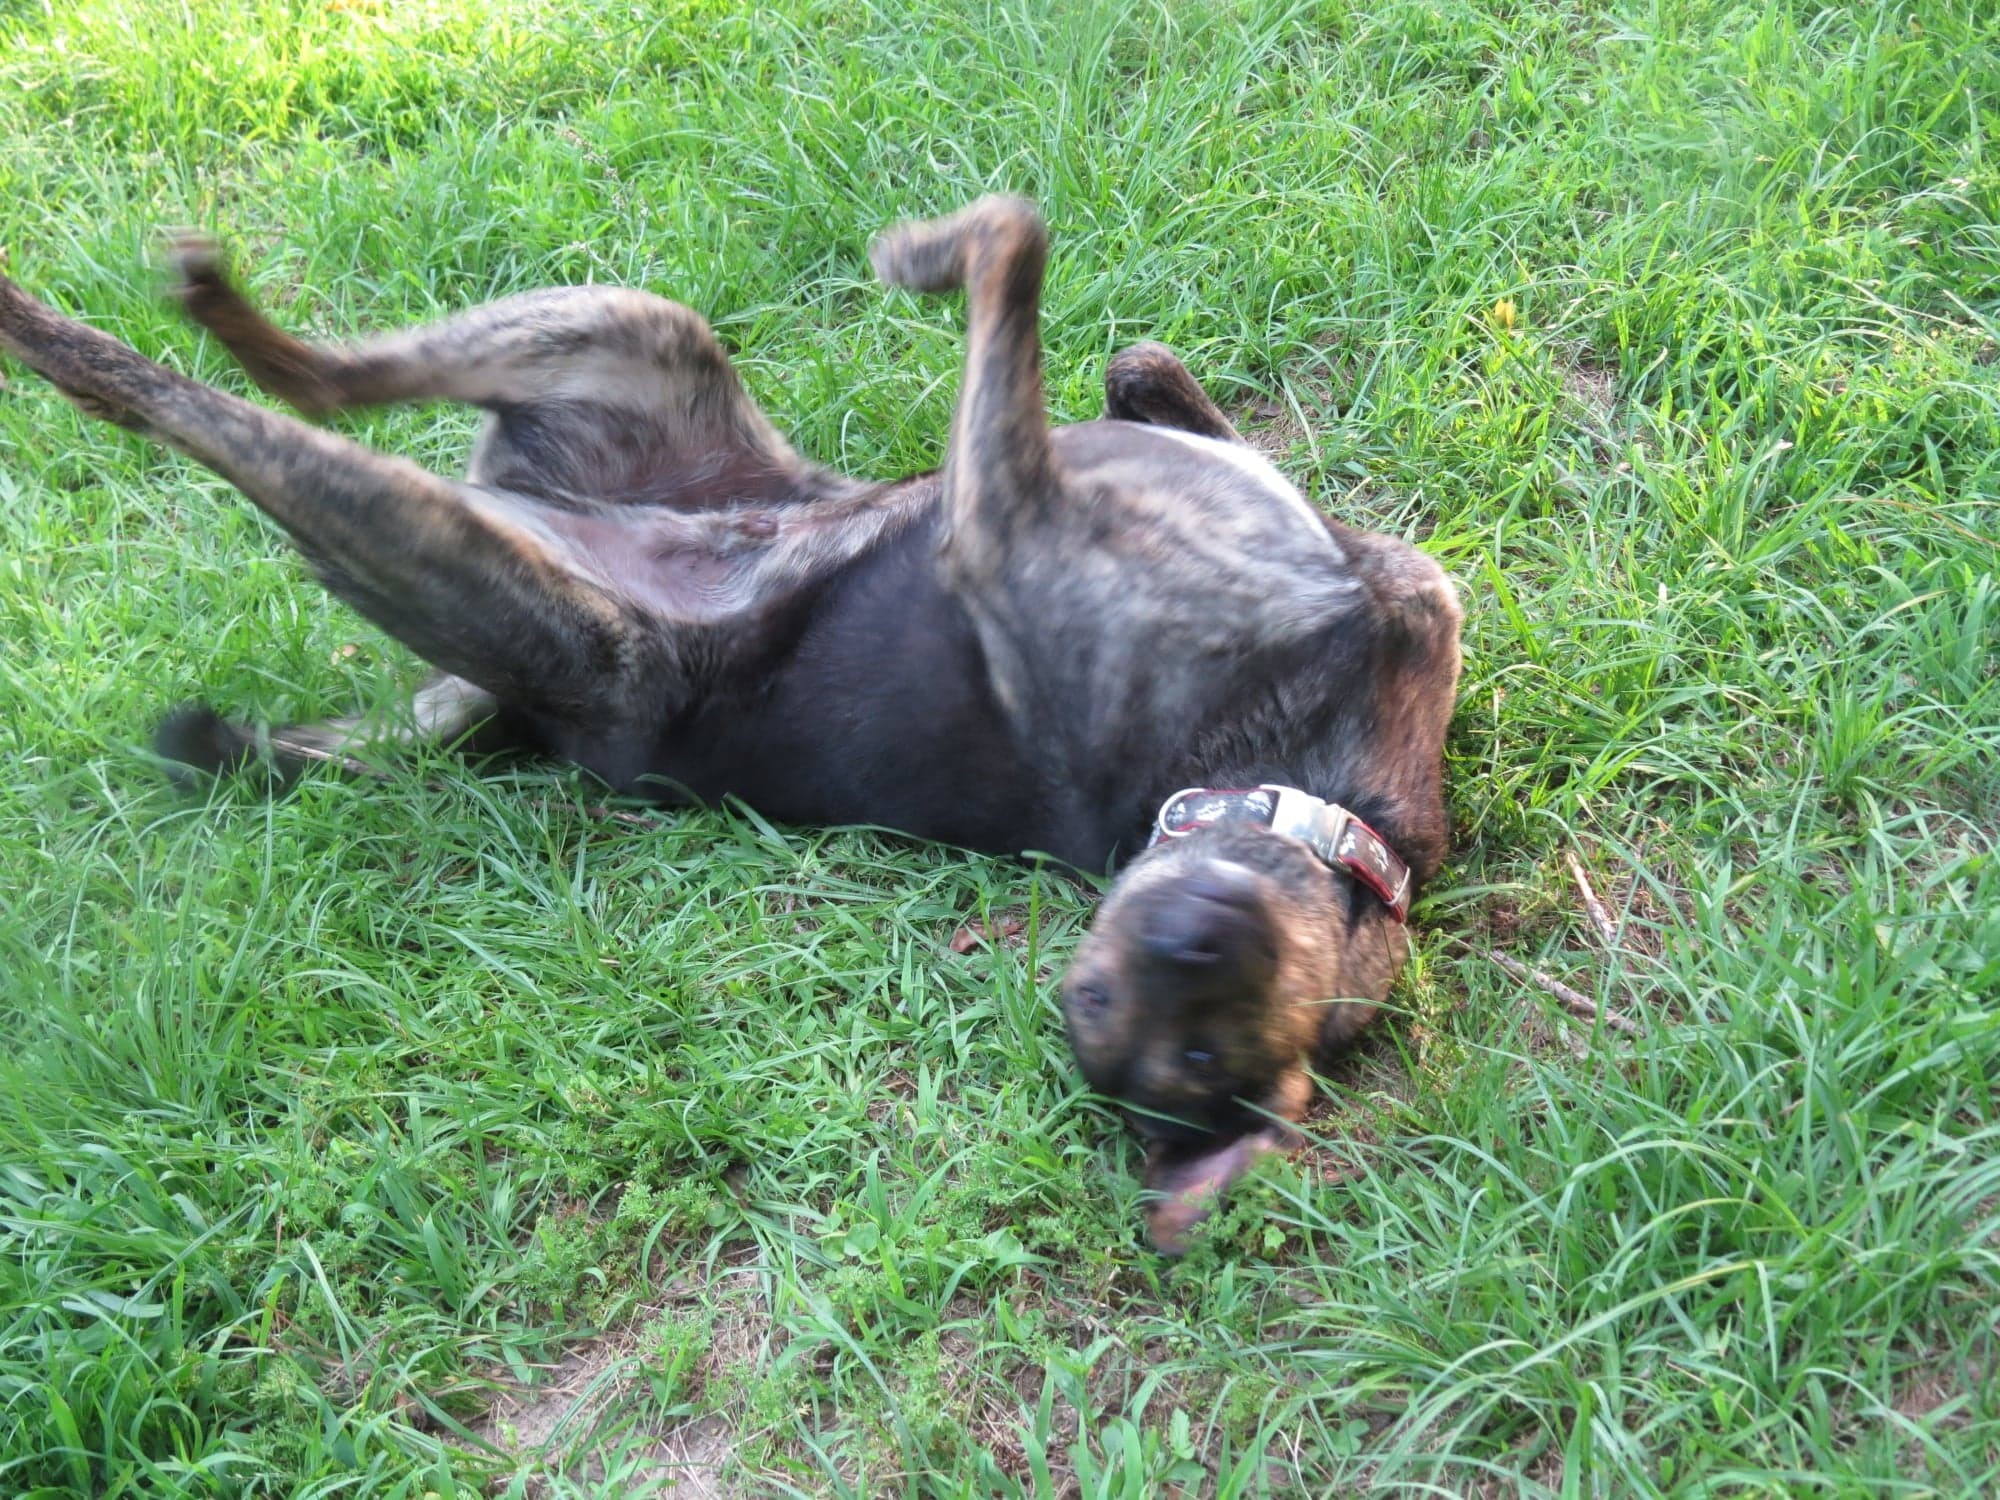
[
  {"x": 580, "y": 373},
  {"x": 463, "y": 576},
  {"x": 594, "y": 390}
]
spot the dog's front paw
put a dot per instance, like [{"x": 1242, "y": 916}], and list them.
[
  {"x": 936, "y": 255},
  {"x": 194, "y": 265}
]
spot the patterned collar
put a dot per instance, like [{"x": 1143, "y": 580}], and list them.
[{"x": 1340, "y": 839}]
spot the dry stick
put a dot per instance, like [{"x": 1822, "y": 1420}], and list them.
[
  {"x": 601, "y": 811},
  {"x": 623, "y": 815},
  {"x": 1574, "y": 1001},
  {"x": 1600, "y": 914}
]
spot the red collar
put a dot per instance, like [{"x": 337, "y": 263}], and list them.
[{"x": 1332, "y": 832}]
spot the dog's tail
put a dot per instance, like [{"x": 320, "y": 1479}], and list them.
[{"x": 195, "y": 743}]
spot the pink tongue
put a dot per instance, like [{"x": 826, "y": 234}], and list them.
[{"x": 1191, "y": 1185}]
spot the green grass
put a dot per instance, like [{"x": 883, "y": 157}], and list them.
[{"x": 328, "y": 1123}]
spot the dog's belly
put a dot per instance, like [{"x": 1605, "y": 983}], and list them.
[
  {"x": 858, "y": 689},
  {"x": 877, "y": 708}
]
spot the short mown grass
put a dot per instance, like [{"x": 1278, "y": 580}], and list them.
[{"x": 344, "y": 1135}]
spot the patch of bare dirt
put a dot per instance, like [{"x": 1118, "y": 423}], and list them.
[
  {"x": 989, "y": 1405},
  {"x": 1271, "y": 427},
  {"x": 1934, "y": 1398},
  {"x": 1590, "y": 391},
  {"x": 586, "y": 1422},
  {"x": 1593, "y": 388},
  {"x": 569, "y": 1426},
  {"x": 1271, "y": 424},
  {"x": 892, "y": 1106},
  {"x": 1372, "y": 1068}
]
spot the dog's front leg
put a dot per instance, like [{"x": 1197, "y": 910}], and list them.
[
  {"x": 1148, "y": 383},
  {"x": 1000, "y": 469}
]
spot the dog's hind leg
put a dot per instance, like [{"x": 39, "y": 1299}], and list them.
[
  {"x": 468, "y": 578},
  {"x": 1148, "y": 383},
  {"x": 594, "y": 388}
]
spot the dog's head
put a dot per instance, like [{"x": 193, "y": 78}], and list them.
[
  {"x": 1219, "y": 963},
  {"x": 1190, "y": 1000}
]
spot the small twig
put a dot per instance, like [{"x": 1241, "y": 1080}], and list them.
[
  {"x": 1600, "y": 914},
  {"x": 1574, "y": 1001},
  {"x": 601, "y": 811},
  {"x": 622, "y": 815}
]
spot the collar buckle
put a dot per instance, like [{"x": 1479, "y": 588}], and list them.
[{"x": 1319, "y": 825}]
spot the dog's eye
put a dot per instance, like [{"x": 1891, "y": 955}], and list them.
[
  {"x": 1089, "y": 997},
  {"x": 1199, "y": 1060}
]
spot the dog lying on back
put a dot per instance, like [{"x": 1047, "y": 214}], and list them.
[{"x": 1029, "y": 649}]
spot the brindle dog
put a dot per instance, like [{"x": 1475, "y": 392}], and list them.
[{"x": 1027, "y": 650}]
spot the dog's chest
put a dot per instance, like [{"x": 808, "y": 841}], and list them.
[{"x": 1189, "y": 518}]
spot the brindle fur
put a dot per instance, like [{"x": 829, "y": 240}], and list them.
[{"x": 1026, "y": 650}]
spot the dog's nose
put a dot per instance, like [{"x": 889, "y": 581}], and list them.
[{"x": 1211, "y": 916}]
